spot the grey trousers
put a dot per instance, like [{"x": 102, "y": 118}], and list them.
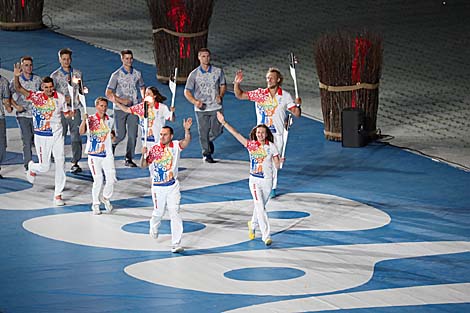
[
  {"x": 3, "y": 140},
  {"x": 27, "y": 137},
  {"x": 126, "y": 122},
  {"x": 209, "y": 129},
  {"x": 73, "y": 125}
]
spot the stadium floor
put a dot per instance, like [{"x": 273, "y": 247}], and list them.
[{"x": 372, "y": 229}]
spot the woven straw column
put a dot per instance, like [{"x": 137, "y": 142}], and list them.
[
  {"x": 180, "y": 29},
  {"x": 349, "y": 68},
  {"x": 21, "y": 14}
]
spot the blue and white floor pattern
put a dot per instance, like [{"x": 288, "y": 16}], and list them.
[{"x": 375, "y": 229}]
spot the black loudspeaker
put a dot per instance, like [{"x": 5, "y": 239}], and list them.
[{"x": 352, "y": 128}]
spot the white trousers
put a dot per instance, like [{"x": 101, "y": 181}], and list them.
[
  {"x": 45, "y": 146},
  {"x": 260, "y": 189},
  {"x": 97, "y": 167},
  {"x": 279, "y": 143},
  {"x": 168, "y": 197}
]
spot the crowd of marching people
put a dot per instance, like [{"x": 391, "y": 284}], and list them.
[{"x": 50, "y": 107}]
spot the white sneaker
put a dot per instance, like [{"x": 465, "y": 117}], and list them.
[
  {"x": 96, "y": 209},
  {"x": 30, "y": 175},
  {"x": 177, "y": 249},
  {"x": 251, "y": 231},
  {"x": 58, "y": 201},
  {"x": 107, "y": 205}
]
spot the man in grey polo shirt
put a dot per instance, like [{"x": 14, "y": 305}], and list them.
[
  {"x": 123, "y": 87},
  {"x": 23, "y": 108},
  {"x": 4, "y": 103},
  {"x": 205, "y": 89},
  {"x": 63, "y": 76}
]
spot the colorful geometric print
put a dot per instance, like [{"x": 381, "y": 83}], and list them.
[
  {"x": 43, "y": 110},
  {"x": 257, "y": 156},
  {"x": 99, "y": 131},
  {"x": 138, "y": 110},
  {"x": 161, "y": 158},
  {"x": 265, "y": 105}
]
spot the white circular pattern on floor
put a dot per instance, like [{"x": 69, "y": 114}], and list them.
[
  {"x": 354, "y": 266},
  {"x": 225, "y": 222}
]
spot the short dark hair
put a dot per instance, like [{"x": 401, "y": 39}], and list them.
[
  {"x": 26, "y": 58},
  {"x": 168, "y": 127},
  {"x": 47, "y": 80},
  {"x": 97, "y": 100},
  {"x": 65, "y": 51},
  {"x": 269, "y": 134},
  {"x": 204, "y": 50},
  {"x": 126, "y": 51}
]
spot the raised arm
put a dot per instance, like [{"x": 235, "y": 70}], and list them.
[
  {"x": 232, "y": 130},
  {"x": 239, "y": 93},
  {"x": 18, "y": 87},
  {"x": 187, "y": 132}
]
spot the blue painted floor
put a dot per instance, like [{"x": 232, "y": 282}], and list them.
[{"x": 372, "y": 229}]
